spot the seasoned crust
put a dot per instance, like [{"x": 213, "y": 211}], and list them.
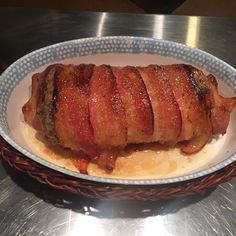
[{"x": 120, "y": 107}]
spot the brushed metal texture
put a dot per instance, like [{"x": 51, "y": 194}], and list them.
[{"x": 30, "y": 208}]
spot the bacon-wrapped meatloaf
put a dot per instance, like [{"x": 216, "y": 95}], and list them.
[{"x": 101, "y": 109}]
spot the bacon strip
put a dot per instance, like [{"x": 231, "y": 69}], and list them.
[
  {"x": 196, "y": 126},
  {"x": 72, "y": 122},
  {"x": 167, "y": 120},
  {"x": 218, "y": 106},
  {"x": 139, "y": 115},
  {"x": 107, "y": 114}
]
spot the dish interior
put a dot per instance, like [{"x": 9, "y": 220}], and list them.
[{"x": 160, "y": 163}]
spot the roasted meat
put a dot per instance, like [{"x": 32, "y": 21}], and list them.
[{"x": 99, "y": 110}]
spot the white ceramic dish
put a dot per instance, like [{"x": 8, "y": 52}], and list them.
[{"x": 16, "y": 80}]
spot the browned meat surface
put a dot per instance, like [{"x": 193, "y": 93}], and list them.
[
  {"x": 72, "y": 122},
  {"x": 101, "y": 109},
  {"x": 167, "y": 120},
  {"x": 139, "y": 115},
  {"x": 107, "y": 114},
  {"x": 196, "y": 127}
]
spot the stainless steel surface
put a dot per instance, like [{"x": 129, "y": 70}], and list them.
[{"x": 30, "y": 208}]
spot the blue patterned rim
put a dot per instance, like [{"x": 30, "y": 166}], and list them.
[{"x": 116, "y": 44}]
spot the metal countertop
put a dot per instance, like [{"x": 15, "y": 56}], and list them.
[{"x": 30, "y": 208}]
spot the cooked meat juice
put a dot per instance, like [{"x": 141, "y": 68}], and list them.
[{"x": 150, "y": 163}]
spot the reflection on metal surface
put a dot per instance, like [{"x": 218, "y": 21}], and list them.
[
  {"x": 158, "y": 27},
  {"x": 192, "y": 35},
  {"x": 100, "y": 24},
  {"x": 85, "y": 225},
  {"x": 155, "y": 226}
]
